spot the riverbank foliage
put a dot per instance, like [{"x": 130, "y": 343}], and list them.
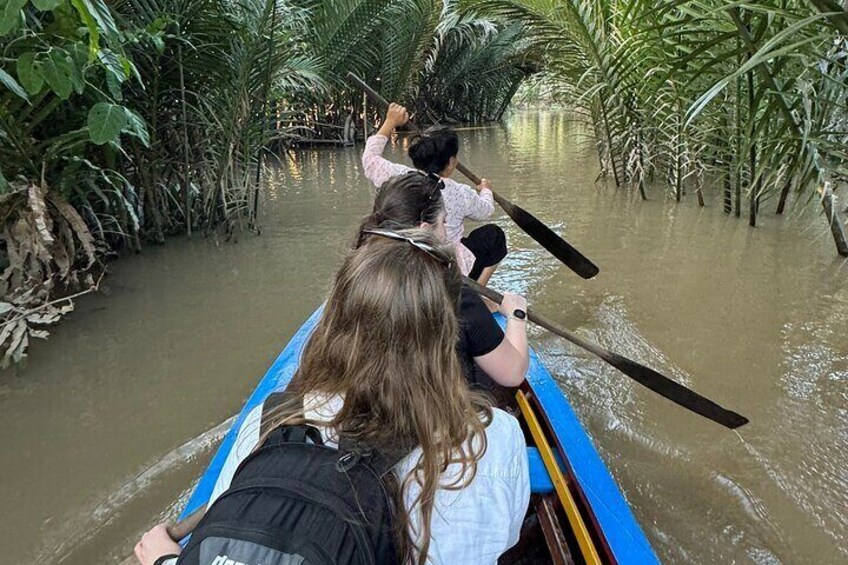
[
  {"x": 129, "y": 121},
  {"x": 751, "y": 94}
]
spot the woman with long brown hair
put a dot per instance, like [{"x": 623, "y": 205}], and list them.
[
  {"x": 381, "y": 370},
  {"x": 493, "y": 360}
]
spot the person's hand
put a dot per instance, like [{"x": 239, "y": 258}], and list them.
[
  {"x": 154, "y": 544},
  {"x": 484, "y": 183},
  {"x": 397, "y": 115},
  {"x": 512, "y": 302}
]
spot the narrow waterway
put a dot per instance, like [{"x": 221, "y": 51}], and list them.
[{"x": 107, "y": 425}]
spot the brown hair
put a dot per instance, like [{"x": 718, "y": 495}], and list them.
[
  {"x": 404, "y": 202},
  {"x": 386, "y": 343}
]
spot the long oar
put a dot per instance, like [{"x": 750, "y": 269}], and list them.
[
  {"x": 544, "y": 235},
  {"x": 177, "y": 531},
  {"x": 645, "y": 376}
]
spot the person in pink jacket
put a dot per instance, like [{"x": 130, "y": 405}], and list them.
[{"x": 435, "y": 151}]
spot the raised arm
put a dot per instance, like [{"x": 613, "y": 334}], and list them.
[{"x": 377, "y": 168}]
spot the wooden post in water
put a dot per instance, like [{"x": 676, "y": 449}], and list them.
[{"x": 836, "y": 227}]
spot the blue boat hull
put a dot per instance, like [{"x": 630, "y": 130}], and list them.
[{"x": 625, "y": 539}]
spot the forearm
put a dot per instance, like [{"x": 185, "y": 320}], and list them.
[
  {"x": 507, "y": 364},
  {"x": 516, "y": 335},
  {"x": 376, "y": 168},
  {"x": 387, "y": 128}
]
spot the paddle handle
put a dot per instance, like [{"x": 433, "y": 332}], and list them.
[
  {"x": 538, "y": 319},
  {"x": 177, "y": 531},
  {"x": 184, "y": 527}
]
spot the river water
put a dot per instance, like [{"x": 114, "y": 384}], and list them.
[{"x": 105, "y": 428}]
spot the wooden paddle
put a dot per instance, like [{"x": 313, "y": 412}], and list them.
[
  {"x": 177, "y": 531},
  {"x": 645, "y": 376},
  {"x": 544, "y": 235}
]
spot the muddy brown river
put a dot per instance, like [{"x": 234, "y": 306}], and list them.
[{"x": 104, "y": 430}]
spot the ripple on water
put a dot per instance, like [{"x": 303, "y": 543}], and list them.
[{"x": 75, "y": 531}]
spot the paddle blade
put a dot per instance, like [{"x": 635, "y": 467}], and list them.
[
  {"x": 675, "y": 392},
  {"x": 547, "y": 238}
]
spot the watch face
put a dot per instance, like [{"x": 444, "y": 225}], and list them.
[{"x": 520, "y": 314}]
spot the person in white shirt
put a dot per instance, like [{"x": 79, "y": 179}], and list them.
[{"x": 381, "y": 369}]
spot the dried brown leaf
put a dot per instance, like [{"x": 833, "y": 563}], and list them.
[
  {"x": 60, "y": 257},
  {"x": 20, "y": 350},
  {"x": 17, "y": 339},
  {"x": 43, "y": 318},
  {"x": 6, "y": 331},
  {"x": 39, "y": 213},
  {"x": 77, "y": 224}
]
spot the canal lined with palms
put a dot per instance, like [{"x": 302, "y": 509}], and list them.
[{"x": 105, "y": 428}]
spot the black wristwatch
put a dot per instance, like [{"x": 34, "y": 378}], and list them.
[
  {"x": 518, "y": 314},
  {"x": 164, "y": 558}
]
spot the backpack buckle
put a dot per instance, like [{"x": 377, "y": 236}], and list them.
[{"x": 347, "y": 461}]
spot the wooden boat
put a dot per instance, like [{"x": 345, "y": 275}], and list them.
[{"x": 577, "y": 512}]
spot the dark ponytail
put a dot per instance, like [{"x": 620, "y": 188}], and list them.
[
  {"x": 404, "y": 202},
  {"x": 432, "y": 150}
]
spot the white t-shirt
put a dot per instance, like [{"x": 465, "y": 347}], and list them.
[{"x": 471, "y": 526}]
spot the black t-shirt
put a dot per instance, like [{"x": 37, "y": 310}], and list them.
[{"x": 479, "y": 334}]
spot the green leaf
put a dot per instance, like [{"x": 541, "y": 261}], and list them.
[
  {"x": 58, "y": 71},
  {"x": 98, "y": 10},
  {"x": 136, "y": 127},
  {"x": 115, "y": 72},
  {"x": 114, "y": 86},
  {"x": 10, "y": 83},
  {"x": 29, "y": 73},
  {"x": 46, "y": 5},
  {"x": 4, "y": 184},
  {"x": 105, "y": 122},
  {"x": 79, "y": 58},
  {"x": 10, "y": 15},
  {"x": 91, "y": 25}
]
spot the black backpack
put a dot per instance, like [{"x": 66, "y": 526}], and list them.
[{"x": 295, "y": 501}]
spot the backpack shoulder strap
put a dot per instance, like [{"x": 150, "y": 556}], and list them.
[{"x": 381, "y": 461}]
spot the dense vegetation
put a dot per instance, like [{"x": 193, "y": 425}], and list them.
[
  {"x": 136, "y": 119},
  {"x": 127, "y": 121},
  {"x": 749, "y": 94}
]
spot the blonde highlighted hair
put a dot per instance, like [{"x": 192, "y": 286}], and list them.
[{"x": 386, "y": 343}]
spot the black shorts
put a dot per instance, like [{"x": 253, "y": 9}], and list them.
[{"x": 488, "y": 244}]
